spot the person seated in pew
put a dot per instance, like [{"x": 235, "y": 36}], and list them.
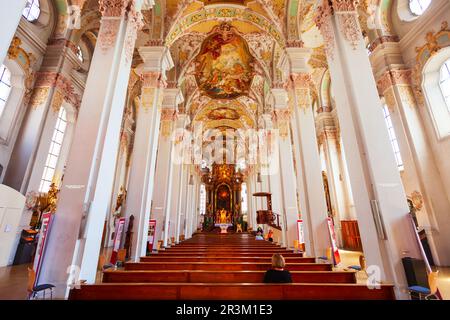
[
  {"x": 259, "y": 236},
  {"x": 277, "y": 274},
  {"x": 270, "y": 235}
]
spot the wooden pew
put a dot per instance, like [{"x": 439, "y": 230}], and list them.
[
  {"x": 224, "y": 276},
  {"x": 218, "y": 291},
  {"x": 221, "y": 254},
  {"x": 267, "y": 259},
  {"x": 250, "y": 251},
  {"x": 251, "y": 266}
]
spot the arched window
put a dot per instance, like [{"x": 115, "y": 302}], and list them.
[
  {"x": 444, "y": 82},
  {"x": 32, "y": 10},
  {"x": 5, "y": 87},
  {"x": 244, "y": 205},
  {"x": 418, "y": 7},
  {"x": 393, "y": 137},
  {"x": 202, "y": 199},
  {"x": 54, "y": 151},
  {"x": 435, "y": 86}
]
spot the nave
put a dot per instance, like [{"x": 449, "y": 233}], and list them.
[{"x": 212, "y": 266}]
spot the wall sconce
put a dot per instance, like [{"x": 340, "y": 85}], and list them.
[
  {"x": 191, "y": 180},
  {"x": 258, "y": 177}
]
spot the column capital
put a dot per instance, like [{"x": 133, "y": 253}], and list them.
[
  {"x": 168, "y": 116},
  {"x": 152, "y": 79},
  {"x": 345, "y": 5},
  {"x": 115, "y": 8},
  {"x": 393, "y": 77},
  {"x": 299, "y": 58},
  {"x": 267, "y": 120},
  {"x": 156, "y": 58},
  {"x": 172, "y": 98},
  {"x": 301, "y": 80},
  {"x": 280, "y": 97}
]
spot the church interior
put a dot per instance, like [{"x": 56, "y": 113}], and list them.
[{"x": 170, "y": 149}]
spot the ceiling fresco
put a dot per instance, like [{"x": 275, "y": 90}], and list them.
[
  {"x": 224, "y": 67},
  {"x": 222, "y": 114}
]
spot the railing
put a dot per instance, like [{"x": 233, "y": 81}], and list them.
[
  {"x": 268, "y": 217},
  {"x": 275, "y": 221}
]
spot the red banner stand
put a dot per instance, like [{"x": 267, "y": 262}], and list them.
[
  {"x": 151, "y": 235},
  {"x": 117, "y": 239},
  {"x": 336, "y": 257},
  {"x": 47, "y": 219}
]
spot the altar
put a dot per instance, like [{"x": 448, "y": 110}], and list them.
[
  {"x": 223, "y": 188},
  {"x": 223, "y": 227}
]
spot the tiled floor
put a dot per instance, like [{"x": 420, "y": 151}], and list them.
[
  {"x": 13, "y": 282},
  {"x": 349, "y": 258}
]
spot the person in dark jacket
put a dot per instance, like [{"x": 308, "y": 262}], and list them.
[{"x": 277, "y": 274}]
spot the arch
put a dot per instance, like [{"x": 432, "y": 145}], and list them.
[
  {"x": 12, "y": 108},
  {"x": 325, "y": 90},
  {"x": 46, "y": 22},
  {"x": 405, "y": 11},
  {"x": 223, "y": 12},
  {"x": 432, "y": 91},
  {"x": 380, "y": 16}
]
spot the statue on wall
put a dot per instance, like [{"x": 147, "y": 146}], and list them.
[
  {"x": 117, "y": 210},
  {"x": 52, "y": 197},
  {"x": 223, "y": 217}
]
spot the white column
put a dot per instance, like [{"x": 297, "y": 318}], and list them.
[
  {"x": 85, "y": 195},
  {"x": 161, "y": 197},
  {"x": 372, "y": 168},
  {"x": 143, "y": 163},
  {"x": 185, "y": 193},
  {"x": 174, "y": 179},
  {"x": 315, "y": 212},
  {"x": 250, "y": 209},
  {"x": 10, "y": 15},
  {"x": 288, "y": 179}
]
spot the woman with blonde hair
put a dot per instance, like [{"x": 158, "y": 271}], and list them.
[{"x": 277, "y": 274}]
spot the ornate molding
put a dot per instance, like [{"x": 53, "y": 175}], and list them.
[
  {"x": 113, "y": 8},
  {"x": 64, "y": 86},
  {"x": 323, "y": 21},
  {"x": 301, "y": 80},
  {"x": 345, "y": 5},
  {"x": 394, "y": 77},
  {"x": 63, "y": 43},
  {"x": 347, "y": 16},
  {"x": 434, "y": 42},
  {"x": 168, "y": 117},
  {"x": 108, "y": 33},
  {"x": 295, "y": 43},
  {"x": 382, "y": 39},
  {"x": 283, "y": 117},
  {"x": 152, "y": 79},
  {"x": 135, "y": 23}
]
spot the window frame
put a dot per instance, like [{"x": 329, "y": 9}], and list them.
[
  {"x": 32, "y": 4},
  {"x": 13, "y": 108},
  {"x": 433, "y": 95},
  {"x": 393, "y": 138},
  {"x": 420, "y": 4},
  {"x": 202, "y": 200},
  {"x": 5, "y": 73},
  {"x": 52, "y": 155},
  {"x": 446, "y": 95}
]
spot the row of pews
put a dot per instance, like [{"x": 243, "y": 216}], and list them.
[{"x": 225, "y": 267}]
